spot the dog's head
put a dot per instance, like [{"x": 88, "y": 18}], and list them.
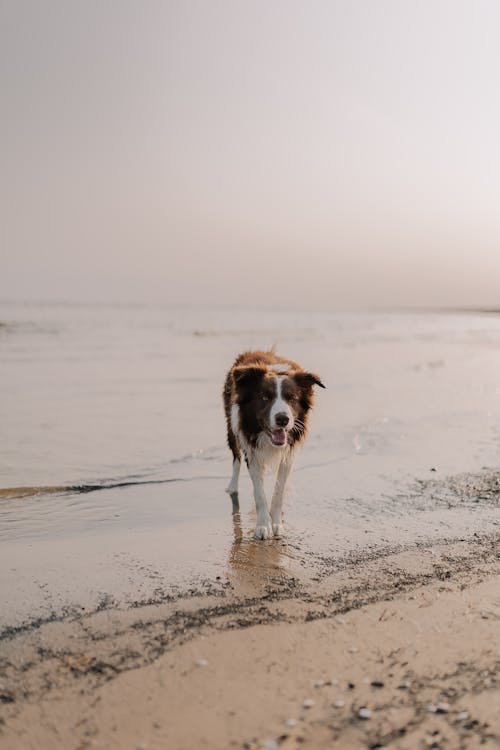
[{"x": 275, "y": 401}]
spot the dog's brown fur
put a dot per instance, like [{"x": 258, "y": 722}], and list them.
[
  {"x": 267, "y": 400},
  {"x": 250, "y": 384}
]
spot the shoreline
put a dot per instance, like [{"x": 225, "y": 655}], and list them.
[
  {"x": 394, "y": 633},
  {"x": 116, "y": 563}
]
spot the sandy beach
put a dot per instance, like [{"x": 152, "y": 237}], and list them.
[
  {"x": 137, "y": 609},
  {"x": 190, "y": 190},
  {"x": 397, "y": 650}
]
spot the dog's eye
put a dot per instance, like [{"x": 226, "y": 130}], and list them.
[{"x": 263, "y": 397}]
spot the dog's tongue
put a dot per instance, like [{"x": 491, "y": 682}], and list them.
[{"x": 278, "y": 436}]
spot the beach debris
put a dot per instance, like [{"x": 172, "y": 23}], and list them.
[
  {"x": 364, "y": 713},
  {"x": 377, "y": 684},
  {"x": 291, "y": 723},
  {"x": 439, "y": 708},
  {"x": 319, "y": 683},
  {"x": 433, "y": 742},
  {"x": 462, "y": 716},
  {"x": 202, "y": 663},
  {"x": 353, "y": 649},
  {"x": 308, "y": 703},
  {"x": 334, "y": 681},
  {"x": 269, "y": 745},
  {"x": 339, "y": 703},
  {"x": 78, "y": 662}
]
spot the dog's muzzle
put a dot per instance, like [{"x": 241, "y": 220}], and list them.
[{"x": 278, "y": 436}]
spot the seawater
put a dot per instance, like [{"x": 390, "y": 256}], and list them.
[{"x": 92, "y": 395}]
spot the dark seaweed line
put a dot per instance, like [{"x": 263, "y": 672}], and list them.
[
  {"x": 345, "y": 599},
  {"x": 81, "y": 489},
  {"x": 13, "y": 493}
]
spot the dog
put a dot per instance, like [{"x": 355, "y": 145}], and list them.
[{"x": 267, "y": 400}]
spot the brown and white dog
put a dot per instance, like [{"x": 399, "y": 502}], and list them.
[{"x": 267, "y": 400}]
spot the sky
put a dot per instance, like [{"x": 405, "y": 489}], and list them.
[{"x": 318, "y": 154}]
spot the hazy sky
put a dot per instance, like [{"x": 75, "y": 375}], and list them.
[{"x": 282, "y": 152}]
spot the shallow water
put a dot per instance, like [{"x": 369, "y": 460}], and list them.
[{"x": 113, "y": 448}]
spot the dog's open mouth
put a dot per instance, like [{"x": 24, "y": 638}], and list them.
[{"x": 278, "y": 436}]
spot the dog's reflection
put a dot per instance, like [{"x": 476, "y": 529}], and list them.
[{"x": 254, "y": 565}]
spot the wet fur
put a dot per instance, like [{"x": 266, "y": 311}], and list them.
[{"x": 259, "y": 383}]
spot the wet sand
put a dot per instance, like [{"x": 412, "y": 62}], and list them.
[{"x": 395, "y": 648}]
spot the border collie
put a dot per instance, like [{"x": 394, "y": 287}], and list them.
[{"x": 267, "y": 400}]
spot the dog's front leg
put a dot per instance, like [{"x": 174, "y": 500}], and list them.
[
  {"x": 284, "y": 470},
  {"x": 263, "y": 530},
  {"x": 232, "y": 489}
]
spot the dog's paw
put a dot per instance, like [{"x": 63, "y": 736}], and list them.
[
  {"x": 278, "y": 529},
  {"x": 263, "y": 531}
]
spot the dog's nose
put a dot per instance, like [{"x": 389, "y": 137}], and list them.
[{"x": 282, "y": 419}]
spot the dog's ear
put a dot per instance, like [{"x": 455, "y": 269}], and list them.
[
  {"x": 244, "y": 376},
  {"x": 308, "y": 379}
]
